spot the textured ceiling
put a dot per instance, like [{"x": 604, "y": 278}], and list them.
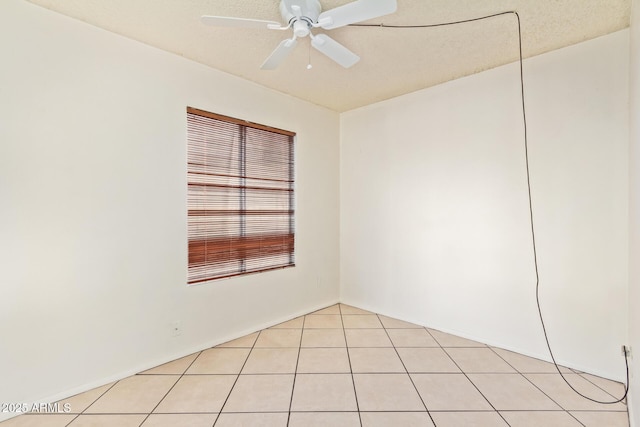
[{"x": 393, "y": 61}]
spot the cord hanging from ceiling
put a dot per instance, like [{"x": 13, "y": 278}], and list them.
[{"x": 531, "y": 221}]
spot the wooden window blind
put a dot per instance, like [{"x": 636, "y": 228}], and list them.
[{"x": 240, "y": 197}]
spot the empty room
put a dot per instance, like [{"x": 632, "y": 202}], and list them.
[{"x": 319, "y": 213}]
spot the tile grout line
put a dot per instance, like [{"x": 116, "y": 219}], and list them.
[
  {"x": 295, "y": 372},
  {"x": 533, "y": 384},
  {"x": 170, "y": 388},
  {"x": 469, "y": 379},
  {"x": 353, "y": 381},
  {"x": 407, "y": 371},
  {"x": 447, "y": 349},
  {"x": 91, "y": 404},
  {"x": 582, "y": 374},
  {"x": 237, "y": 378}
]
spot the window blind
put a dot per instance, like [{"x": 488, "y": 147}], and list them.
[{"x": 240, "y": 197}]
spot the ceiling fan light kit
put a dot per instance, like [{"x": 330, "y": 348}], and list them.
[{"x": 302, "y": 16}]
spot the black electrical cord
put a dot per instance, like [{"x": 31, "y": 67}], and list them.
[{"x": 526, "y": 154}]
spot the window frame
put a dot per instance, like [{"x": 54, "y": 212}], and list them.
[{"x": 242, "y": 247}]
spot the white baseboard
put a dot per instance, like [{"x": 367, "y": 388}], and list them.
[{"x": 162, "y": 360}]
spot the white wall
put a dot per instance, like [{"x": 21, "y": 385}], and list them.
[
  {"x": 434, "y": 212},
  {"x": 634, "y": 215},
  {"x": 93, "y": 219}
]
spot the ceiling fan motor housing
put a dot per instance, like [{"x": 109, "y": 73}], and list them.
[
  {"x": 308, "y": 15},
  {"x": 302, "y": 16}
]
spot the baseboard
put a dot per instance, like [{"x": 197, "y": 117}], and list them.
[
  {"x": 631, "y": 409},
  {"x": 162, "y": 360},
  {"x": 545, "y": 357}
]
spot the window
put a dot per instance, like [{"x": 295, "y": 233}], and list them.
[{"x": 240, "y": 197}]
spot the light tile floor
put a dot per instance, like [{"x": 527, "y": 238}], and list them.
[{"x": 343, "y": 366}]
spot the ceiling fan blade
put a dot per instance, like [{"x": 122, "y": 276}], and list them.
[
  {"x": 225, "y": 21},
  {"x": 334, "y": 50},
  {"x": 356, "y": 11},
  {"x": 277, "y": 56}
]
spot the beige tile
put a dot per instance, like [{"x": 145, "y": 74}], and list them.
[
  {"x": 367, "y": 338},
  {"x": 246, "y": 341},
  {"x": 78, "y": 403},
  {"x": 391, "y": 323},
  {"x": 386, "y": 392},
  {"x": 333, "y": 309},
  {"x": 323, "y": 360},
  {"x": 322, "y": 321},
  {"x": 602, "y": 418},
  {"x": 108, "y": 420},
  {"x": 323, "y": 392},
  {"x": 348, "y": 309},
  {"x": 361, "y": 321},
  {"x": 479, "y": 360},
  {"x": 449, "y": 392},
  {"x": 527, "y": 365},
  {"x": 411, "y": 338},
  {"x": 540, "y": 418},
  {"x": 279, "y": 338},
  {"x": 137, "y": 394},
  {"x": 554, "y": 386},
  {"x": 614, "y": 388},
  {"x": 511, "y": 392},
  {"x": 260, "y": 393},
  {"x": 36, "y": 420},
  {"x": 197, "y": 393},
  {"x": 253, "y": 420},
  {"x": 182, "y": 420},
  {"x": 323, "y": 338},
  {"x": 219, "y": 361},
  {"x": 324, "y": 419},
  {"x": 404, "y": 419},
  {"x": 175, "y": 367},
  {"x": 375, "y": 360},
  {"x": 271, "y": 361},
  {"x": 448, "y": 340},
  {"x": 290, "y": 324},
  {"x": 427, "y": 360},
  {"x": 468, "y": 419}
]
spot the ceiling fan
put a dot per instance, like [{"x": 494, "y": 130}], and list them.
[{"x": 304, "y": 15}]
